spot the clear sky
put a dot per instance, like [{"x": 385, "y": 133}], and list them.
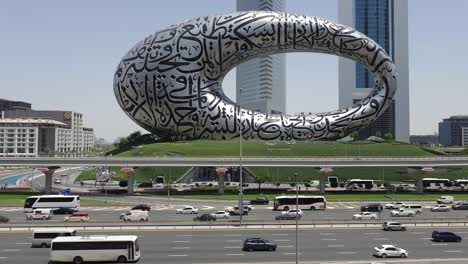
[{"x": 61, "y": 55}]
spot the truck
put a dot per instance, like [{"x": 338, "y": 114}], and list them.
[{"x": 403, "y": 213}]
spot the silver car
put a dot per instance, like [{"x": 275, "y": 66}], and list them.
[
  {"x": 384, "y": 251},
  {"x": 440, "y": 208}
]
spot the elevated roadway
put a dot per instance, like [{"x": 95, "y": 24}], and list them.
[{"x": 234, "y": 161}]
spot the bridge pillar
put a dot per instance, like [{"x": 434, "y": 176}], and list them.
[
  {"x": 419, "y": 185},
  {"x": 130, "y": 183},
  {"x": 322, "y": 183},
  {"x": 48, "y": 179}
]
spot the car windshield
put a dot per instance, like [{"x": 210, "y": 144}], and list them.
[{"x": 380, "y": 247}]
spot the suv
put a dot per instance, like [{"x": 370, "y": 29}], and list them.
[
  {"x": 260, "y": 200},
  {"x": 142, "y": 207},
  {"x": 372, "y": 208},
  {"x": 394, "y": 205},
  {"x": 251, "y": 244},
  {"x": 445, "y": 236},
  {"x": 236, "y": 211},
  {"x": 460, "y": 206},
  {"x": 393, "y": 226}
]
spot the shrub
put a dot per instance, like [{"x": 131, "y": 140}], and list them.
[
  {"x": 123, "y": 183},
  {"x": 369, "y": 185},
  {"x": 342, "y": 185},
  {"x": 334, "y": 184}
]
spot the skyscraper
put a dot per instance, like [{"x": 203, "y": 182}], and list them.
[
  {"x": 261, "y": 82},
  {"x": 386, "y": 22}
]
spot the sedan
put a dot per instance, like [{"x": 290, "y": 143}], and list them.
[
  {"x": 394, "y": 205},
  {"x": 142, "y": 207},
  {"x": 221, "y": 215},
  {"x": 251, "y": 244},
  {"x": 260, "y": 200},
  {"x": 293, "y": 212},
  {"x": 393, "y": 226},
  {"x": 63, "y": 210},
  {"x": 204, "y": 217},
  {"x": 77, "y": 217},
  {"x": 187, "y": 210},
  {"x": 365, "y": 216},
  {"x": 384, "y": 251},
  {"x": 440, "y": 208}
]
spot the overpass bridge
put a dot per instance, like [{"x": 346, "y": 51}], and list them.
[{"x": 54, "y": 163}]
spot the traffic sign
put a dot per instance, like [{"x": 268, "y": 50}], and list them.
[
  {"x": 427, "y": 169},
  {"x": 222, "y": 170},
  {"x": 325, "y": 170},
  {"x": 42, "y": 169},
  {"x": 127, "y": 169}
]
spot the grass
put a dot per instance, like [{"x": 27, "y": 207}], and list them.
[
  {"x": 17, "y": 199},
  {"x": 330, "y": 197}
]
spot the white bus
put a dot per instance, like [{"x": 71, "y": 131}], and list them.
[
  {"x": 358, "y": 184},
  {"x": 461, "y": 183},
  {"x": 435, "y": 184},
  {"x": 81, "y": 249},
  {"x": 41, "y": 237},
  {"x": 51, "y": 202},
  {"x": 305, "y": 203}
]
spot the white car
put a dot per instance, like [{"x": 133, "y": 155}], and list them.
[
  {"x": 384, "y": 251},
  {"x": 394, "y": 205},
  {"x": 365, "y": 216},
  {"x": 248, "y": 207},
  {"x": 293, "y": 212},
  {"x": 187, "y": 210},
  {"x": 440, "y": 208},
  {"x": 36, "y": 214},
  {"x": 221, "y": 215},
  {"x": 57, "y": 181},
  {"x": 403, "y": 212},
  {"x": 136, "y": 215}
]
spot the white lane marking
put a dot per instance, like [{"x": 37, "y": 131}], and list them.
[
  {"x": 3, "y": 257},
  {"x": 232, "y": 235},
  {"x": 453, "y": 251},
  {"x": 183, "y": 235},
  {"x": 238, "y": 254},
  {"x": 285, "y": 246},
  {"x": 177, "y": 255},
  {"x": 440, "y": 244},
  {"x": 335, "y": 245},
  {"x": 381, "y": 238},
  {"x": 330, "y": 207},
  {"x": 328, "y": 239},
  {"x": 291, "y": 253},
  {"x": 327, "y": 234},
  {"x": 23, "y": 243},
  {"x": 231, "y": 247},
  {"x": 282, "y": 240},
  {"x": 279, "y": 234},
  {"x": 346, "y": 252},
  {"x": 207, "y": 208},
  {"x": 425, "y": 238},
  {"x": 181, "y": 241},
  {"x": 417, "y": 233},
  {"x": 180, "y": 247},
  {"x": 10, "y": 250},
  {"x": 371, "y": 233},
  {"x": 234, "y": 240}
]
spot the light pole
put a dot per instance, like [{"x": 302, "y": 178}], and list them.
[
  {"x": 297, "y": 218},
  {"x": 32, "y": 179},
  {"x": 241, "y": 187}
]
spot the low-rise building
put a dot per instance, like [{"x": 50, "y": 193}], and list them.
[{"x": 450, "y": 130}]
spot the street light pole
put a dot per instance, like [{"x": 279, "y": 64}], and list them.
[
  {"x": 241, "y": 187},
  {"x": 297, "y": 218}
]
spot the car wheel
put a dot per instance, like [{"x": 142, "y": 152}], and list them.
[
  {"x": 384, "y": 255},
  {"x": 44, "y": 218},
  {"x": 403, "y": 229},
  {"x": 121, "y": 259},
  {"x": 78, "y": 260},
  {"x": 312, "y": 208},
  {"x": 403, "y": 255},
  {"x": 43, "y": 245},
  {"x": 359, "y": 218},
  {"x": 372, "y": 218},
  {"x": 250, "y": 249},
  {"x": 410, "y": 215},
  {"x": 286, "y": 208},
  {"x": 459, "y": 240},
  {"x": 271, "y": 249},
  {"x": 142, "y": 219}
]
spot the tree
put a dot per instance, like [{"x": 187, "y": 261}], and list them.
[
  {"x": 133, "y": 137},
  {"x": 355, "y": 134},
  {"x": 378, "y": 134},
  {"x": 334, "y": 184},
  {"x": 307, "y": 185},
  {"x": 260, "y": 179},
  {"x": 388, "y": 136},
  {"x": 277, "y": 184}
]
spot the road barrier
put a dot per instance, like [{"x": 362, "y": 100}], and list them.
[{"x": 360, "y": 225}]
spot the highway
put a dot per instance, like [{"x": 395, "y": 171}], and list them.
[
  {"x": 339, "y": 212},
  {"x": 234, "y": 161},
  {"x": 223, "y": 246}
]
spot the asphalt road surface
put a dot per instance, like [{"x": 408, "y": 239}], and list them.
[
  {"x": 259, "y": 214},
  {"x": 224, "y": 246}
]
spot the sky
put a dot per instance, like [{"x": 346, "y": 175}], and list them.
[{"x": 62, "y": 55}]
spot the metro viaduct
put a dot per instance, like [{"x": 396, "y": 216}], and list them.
[{"x": 322, "y": 162}]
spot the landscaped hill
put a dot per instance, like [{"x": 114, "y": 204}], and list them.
[{"x": 205, "y": 148}]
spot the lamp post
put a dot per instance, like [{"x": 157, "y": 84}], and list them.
[
  {"x": 297, "y": 218},
  {"x": 241, "y": 187}
]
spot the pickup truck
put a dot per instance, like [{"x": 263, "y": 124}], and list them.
[{"x": 403, "y": 212}]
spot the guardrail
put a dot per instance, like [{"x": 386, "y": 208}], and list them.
[{"x": 232, "y": 226}]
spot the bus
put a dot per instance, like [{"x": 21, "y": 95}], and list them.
[
  {"x": 462, "y": 184},
  {"x": 356, "y": 184},
  {"x": 79, "y": 249},
  {"x": 41, "y": 237},
  {"x": 52, "y": 202},
  {"x": 305, "y": 203},
  {"x": 436, "y": 184}
]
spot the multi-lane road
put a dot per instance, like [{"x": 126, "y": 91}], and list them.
[{"x": 224, "y": 246}]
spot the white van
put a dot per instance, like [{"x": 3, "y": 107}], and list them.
[
  {"x": 136, "y": 215},
  {"x": 417, "y": 208},
  {"x": 43, "y": 214},
  {"x": 41, "y": 237},
  {"x": 445, "y": 200}
]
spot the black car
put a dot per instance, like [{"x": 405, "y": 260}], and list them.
[
  {"x": 460, "y": 206},
  {"x": 204, "y": 217},
  {"x": 372, "y": 208},
  {"x": 251, "y": 244},
  {"x": 63, "y": 211},
  {"x": 142, "y": 207},
  {"x": 4, "y": 219},
  {"x": 260, "y": 200},
  {"x": 445, "y": 236}
]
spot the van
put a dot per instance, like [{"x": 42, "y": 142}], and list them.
[
  {"x": 41, "y": 237},
  {"x": 43, "y": 214},
  {"x": 445, "y": 200},
  {"x": 136, "y": 215},
  {"x": 417, "y": 208}
]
